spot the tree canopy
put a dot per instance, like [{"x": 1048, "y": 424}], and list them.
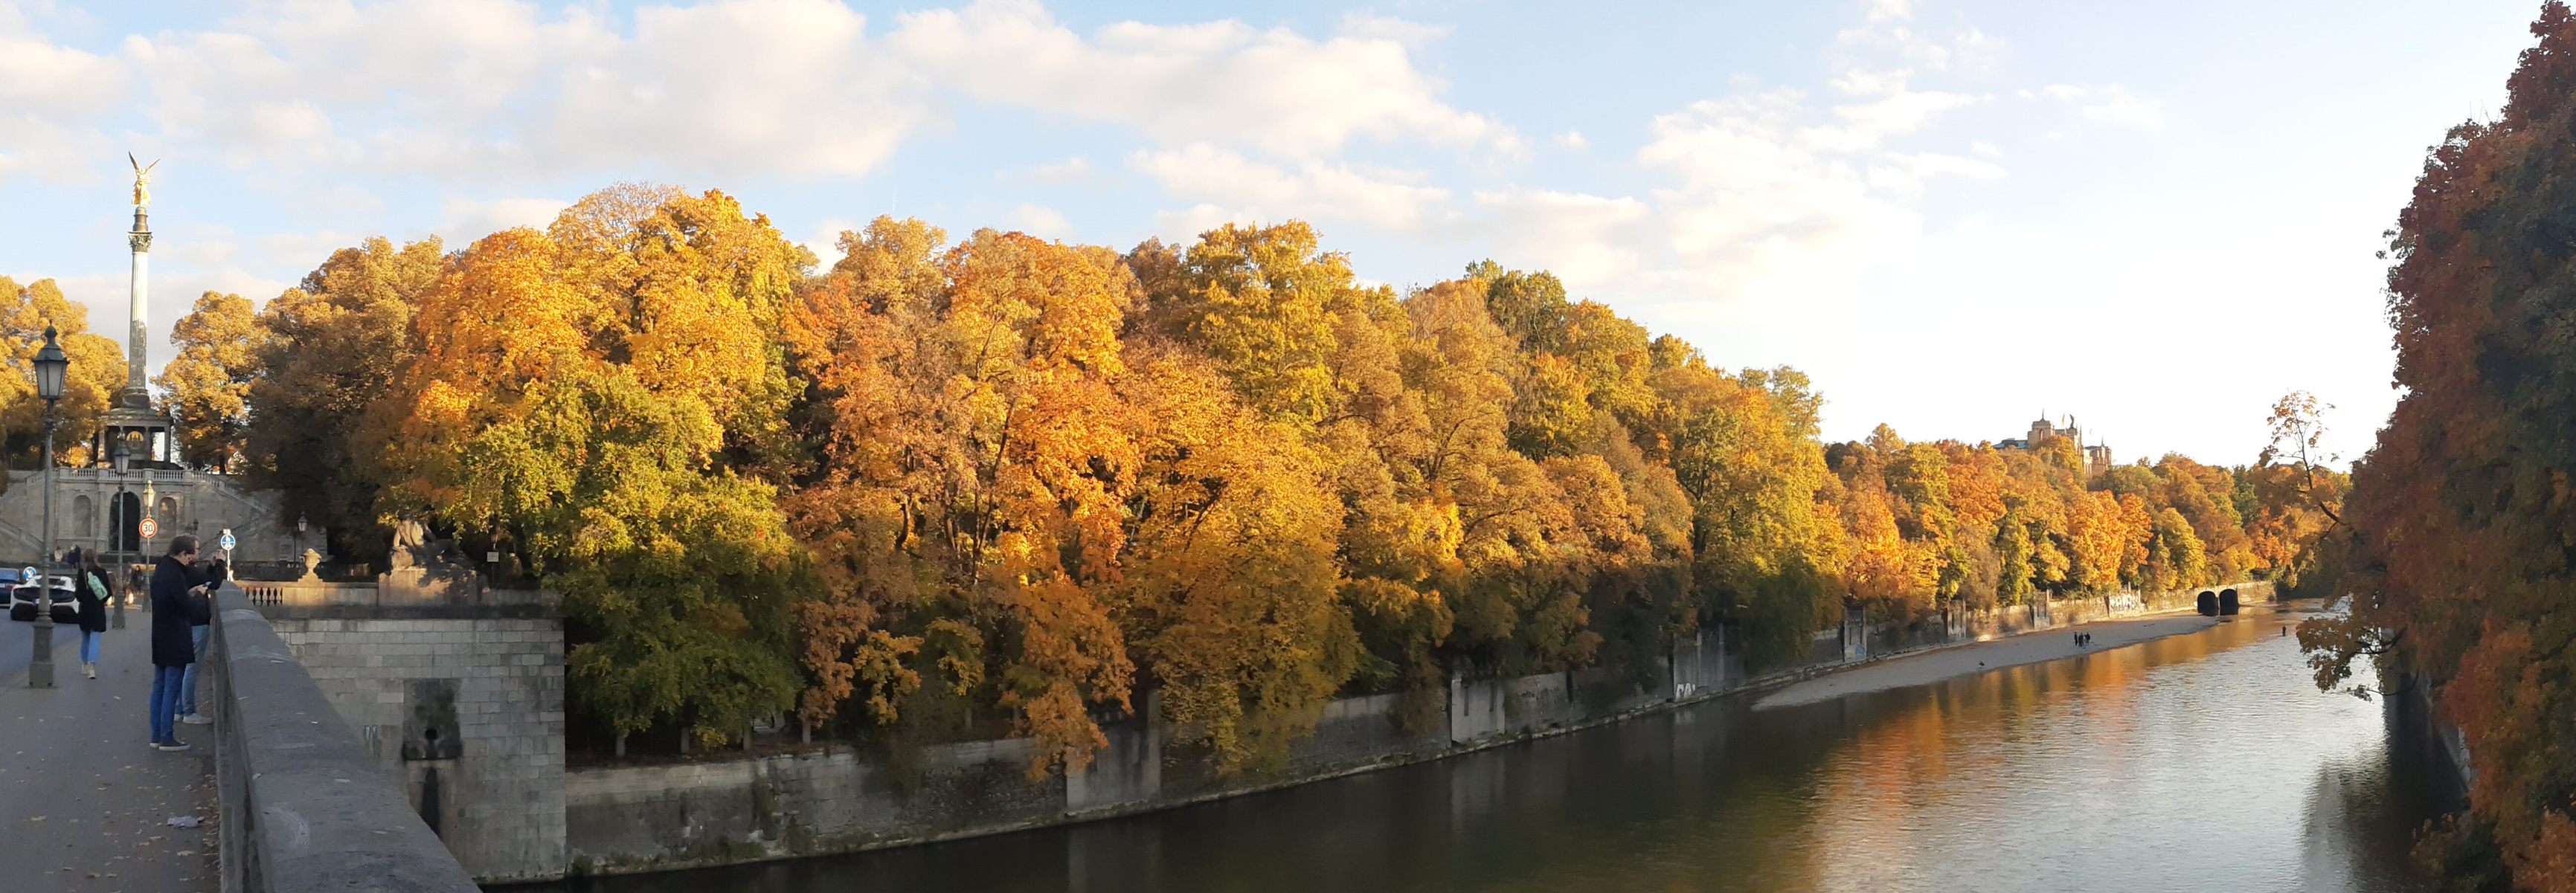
[{"x": 937, "y": 489}]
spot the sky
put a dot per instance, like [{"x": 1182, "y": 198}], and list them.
[{"x": 1954, "y": 216}]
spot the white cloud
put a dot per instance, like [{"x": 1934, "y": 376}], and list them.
[
  {"x": 1863, "y": 82},
  {"x": 1755, "y": 189},
  {"x": 489, "y": 89},
  {"x": 305, "y": 251},
  {"x": 1586, "y": 239},
  {"x": 1390, "y": 200},
  {"x": 1220, "y": 83},
  {"x": 1977, "y": 51},
  {"x": 1887, "y": 27},
  {"x": 1186, "y": 224},
  {"x": 826, "y": 239},
  {"x": 1366, "y": 26},
  {"x": 1898, "y": 113},
  {"x": 1041, "y": 221},
  {"x": 2112, "y": 104},
  {"x": 513, "y": 91},
  {"x": 41, "y": 147},
  {"x": 1573, "y": 139},
  {"x": 40, "y": 78},
  {"x": 1906, "y": 173},
  {"x": 51, "y": 101},
  {"x": 1068, "y": 170},
  {"x": 466, "y": 221},
  {"x": 1985, "y": 149}
]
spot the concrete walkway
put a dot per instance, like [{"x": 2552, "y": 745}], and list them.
[
  {"x": 1969, "y": 659},
  {"x": 85, "y": 801}
]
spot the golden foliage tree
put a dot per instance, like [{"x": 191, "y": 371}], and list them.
[
  {"x": 209, "y": 381},
  {"x": 97, "y": 370}
]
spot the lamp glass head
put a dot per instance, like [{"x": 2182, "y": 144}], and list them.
[{"x": 50, "y": 364}]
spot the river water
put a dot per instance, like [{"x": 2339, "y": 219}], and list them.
[{"x": 2200, "y": 762}]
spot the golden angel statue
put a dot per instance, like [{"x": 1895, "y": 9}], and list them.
[{"x": 142, "y": 179}]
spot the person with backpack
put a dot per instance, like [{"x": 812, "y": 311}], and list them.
[{"x": 91, "y": 592}]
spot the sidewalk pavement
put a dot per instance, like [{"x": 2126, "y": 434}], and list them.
[{"x": 85, "y": 802}]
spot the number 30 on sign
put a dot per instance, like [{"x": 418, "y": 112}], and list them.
[{"x": 151, "y": 528}]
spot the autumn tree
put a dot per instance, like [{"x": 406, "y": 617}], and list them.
[
  {"x": 1005, "y": 490},
  {"x": 2460, "y": 576},
  {"x": 327, "y": 350},
  {"x": 97, "y": 371},
  {"x": 1009, "y": 486},
  {"x": 600, "y": 400},
  {"x": 1258, "y": 300},
  {"x": 1232, "y": 595},
  {"x": 209, "y": 381}
]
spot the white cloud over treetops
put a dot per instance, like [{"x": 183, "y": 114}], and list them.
[
  {"x": 470, "y": 90},
  {"x": 1739, "y": 192}
]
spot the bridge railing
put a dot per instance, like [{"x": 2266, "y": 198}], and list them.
[{"x": 305, "y": 808}]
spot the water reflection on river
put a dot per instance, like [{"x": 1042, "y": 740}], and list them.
[{"x": 2198, "y": 762}]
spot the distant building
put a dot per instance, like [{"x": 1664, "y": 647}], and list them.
[{"x": 2097, "y": 457}]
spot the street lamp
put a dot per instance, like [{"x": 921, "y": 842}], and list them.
[
  {"x": 116, "y": 532},
  {"x": 50, "y": 363}
]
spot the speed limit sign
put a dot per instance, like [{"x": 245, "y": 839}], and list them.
[{"x": 151, "y": 528}]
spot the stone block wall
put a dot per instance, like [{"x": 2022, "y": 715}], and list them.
[
  {"x": 303, "y": 805},
  {"x": 492, "y": 691},
  {"x": 639, "y": 817},
  {"x": 720, "y": 810}
]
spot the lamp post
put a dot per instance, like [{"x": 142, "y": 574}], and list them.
[
  {"x": 299, "y": 542},
  {"x": 116, "y": 535},
  {"x": 50, "y": 363}
]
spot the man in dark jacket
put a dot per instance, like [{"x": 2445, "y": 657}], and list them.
[{"x": 174, "y": 590}]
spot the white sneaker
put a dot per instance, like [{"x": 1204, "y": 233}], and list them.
[{"x": 197, "y": 719}]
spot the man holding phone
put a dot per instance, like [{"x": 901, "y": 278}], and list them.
[{"x": 174, "y": 591}]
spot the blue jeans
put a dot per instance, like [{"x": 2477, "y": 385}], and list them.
[
  {"x": 89, "y": 647},
  {"x": 188, "y": 680},
  {"x": 165, "y": 703}
]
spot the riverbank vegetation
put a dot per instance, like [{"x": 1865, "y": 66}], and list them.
[
  {"x": 2462, "y": 543},
  {"x": 945, "y": 487}
]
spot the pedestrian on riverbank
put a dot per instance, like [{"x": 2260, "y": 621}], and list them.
[
  {"x": 201, "y": 615},
  {"x": 173, "y": 588},
  {"x": 91, "y": 592}
]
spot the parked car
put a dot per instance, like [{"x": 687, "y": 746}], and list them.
[{"x": 22, "y": 600}]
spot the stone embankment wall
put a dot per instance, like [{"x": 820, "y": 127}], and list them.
[
  {"x": 631, "y": 818},
  {"x": 465, "y": 708},
  {"x": 306, "y": 808}
]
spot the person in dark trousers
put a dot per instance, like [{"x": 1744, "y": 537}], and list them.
[
  {"x": 174, "y": 589},
  {"x": 91, "y": 592},
  {"x": 201, "y": 614}
]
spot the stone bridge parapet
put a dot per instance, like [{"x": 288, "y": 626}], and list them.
[{"x": 305, "y": 807}]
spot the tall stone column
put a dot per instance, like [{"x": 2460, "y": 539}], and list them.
[{"x": 136, "y": 393}]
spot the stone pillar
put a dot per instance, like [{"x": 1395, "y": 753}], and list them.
[{"x": 137, "y": 299}]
